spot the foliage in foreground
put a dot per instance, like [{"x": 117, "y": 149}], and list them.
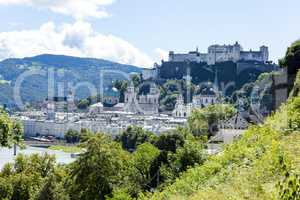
[
  {"x": 11, "y": 132},
  {"x": 106, "y": 168},
  {"x": 204, "y": 121},
  {"x": 251, "y": 168}
]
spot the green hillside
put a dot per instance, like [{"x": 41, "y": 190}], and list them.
[
  {"x": 67, "y": 70},
  {"x": 263, "y": 164}
]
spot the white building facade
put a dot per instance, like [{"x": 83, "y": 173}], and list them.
[
  {"x": 183, "y": 110},
  {"x": 143, "y": 104}
]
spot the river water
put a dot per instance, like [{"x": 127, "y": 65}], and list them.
[{"x": 7, "y": 155}]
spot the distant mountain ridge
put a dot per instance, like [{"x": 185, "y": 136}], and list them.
[{"x": 75, "y": 70}]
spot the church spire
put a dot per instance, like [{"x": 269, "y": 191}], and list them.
[
  {"x": 216, "y": 81},
  {"x": 180, "y": 100}
]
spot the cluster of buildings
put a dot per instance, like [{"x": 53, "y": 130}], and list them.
[
  {"x": 37, "y": 124},
  {"x": 222, "y": 53},
  {"x": 58, "y": 115}
]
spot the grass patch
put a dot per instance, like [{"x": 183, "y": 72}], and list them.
[
  {"x": 66, "y": 149},
  {"x": 3, "y": 82}
]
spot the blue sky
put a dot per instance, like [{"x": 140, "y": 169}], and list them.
[{"x": 141, "y": 32}]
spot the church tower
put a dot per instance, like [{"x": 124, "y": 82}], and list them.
[
  {"x": 131, "y": 103},
  {"x": 180, "y": 100},
  {"x": 130, "y": 95}
]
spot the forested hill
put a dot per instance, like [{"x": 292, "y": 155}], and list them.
[{"x": 74, "y": 69}]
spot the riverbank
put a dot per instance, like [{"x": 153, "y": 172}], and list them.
[
  {"x": 7, "y": 155},
  {"x": 58, "y": 145}
]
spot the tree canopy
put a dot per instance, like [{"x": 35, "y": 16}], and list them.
[
  {"x": 99, "y": 169},
  {"x": 134, "y": 136},
  {"x": 11, "y": 132},
  {"x": 204, "y": 121},
  {"x": 291, "y": 59}
]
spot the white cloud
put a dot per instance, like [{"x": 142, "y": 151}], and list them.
[
  {"x": 79, "y": 9},
  {"x": 78, "y": 39},
  {"x": 162, "y": 54}
]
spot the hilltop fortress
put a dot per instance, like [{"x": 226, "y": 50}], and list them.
[
  {"x": 222, "y": 53},
  {"x": 230, "y": 61}
]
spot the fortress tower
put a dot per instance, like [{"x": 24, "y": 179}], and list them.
[
  {"x": 236, "y": 52},
  {"x": 265, "y": 53}
]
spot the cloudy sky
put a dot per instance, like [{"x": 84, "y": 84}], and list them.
[{"x": 140, "y": 32}]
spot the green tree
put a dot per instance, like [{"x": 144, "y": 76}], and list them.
[
  {"x": 25, "y": 177},
  {"x": 170, "y": 141},
  {"x": 292, "y": 58},
  {"x": 11, "y": 132},
  {"x": 17, "y": 135},
  {"x": 83, "y": 104},
  {"x": 6, "y": 189},
  {"x": 72, "y": 136},
  {"x": 85, "y": 135},
  {"x": 197, "y": 123},
  {"x": 99, "y": 170},
  {"x": 142, "y": 161},
  {"x": 121, "y": 86},
  {"x": 52, "y": 190},
  {"x": 6, "y": 136},
  {"x": 204, "y": 121},
  {"x": 136, "y": 79},
  {"x": 190, "y": 154},
  {"x": 134, "y": 136},
  {"x": 168, "y": 102},
  {"x": 169, "y": 92}
]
